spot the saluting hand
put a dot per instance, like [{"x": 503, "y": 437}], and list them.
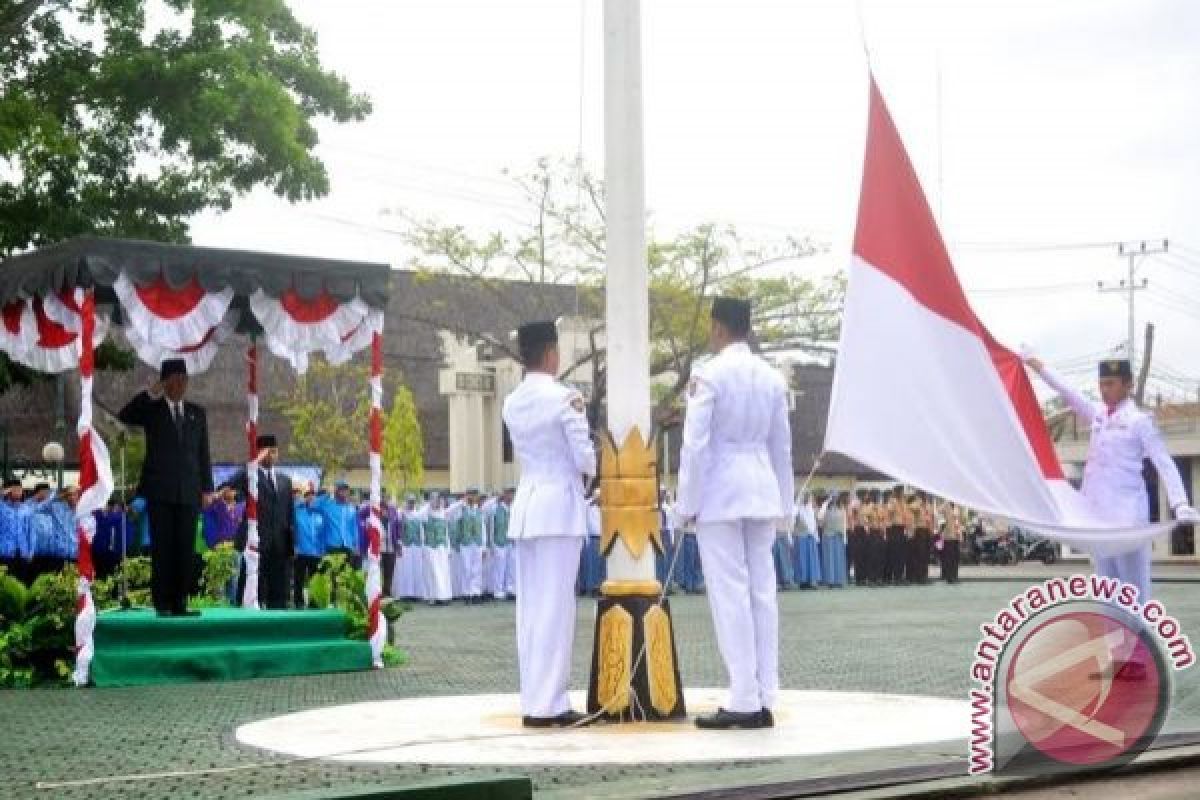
[{"x": 1035, "y": 364}]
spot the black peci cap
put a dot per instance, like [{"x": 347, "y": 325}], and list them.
[
  {"x": 266, "y": 440},
  {"x": 172, "y": 366},
  {"x": 1116, "y": 368}
]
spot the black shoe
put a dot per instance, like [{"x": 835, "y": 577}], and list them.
[
  {"x": 186, "y": 613},
  {"x": 164, "y": 613},
  {"x": 567, "y": 719},
  {"x": 768, "y": 718},
  {"x": 729, "y": 720}
]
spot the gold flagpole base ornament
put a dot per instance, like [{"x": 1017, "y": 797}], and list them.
[{"x": 635, "y": 670}]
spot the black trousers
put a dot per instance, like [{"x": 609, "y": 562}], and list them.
[
  {"x": 951, "y": 554},
  {"x": 172, "y": 548},
  {"x": 274, "y": 577},
  {"x": 895, "y": 555},
  {"x": 303, "y": 569},
  {"x": 924, "y": 540},
  {"x": 387, "y": 562},
  {"x": 876, "y": 557}
]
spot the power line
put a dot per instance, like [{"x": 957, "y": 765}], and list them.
[
  {"x": 1032, "y": 247},
  {"x": 1046, "y": 288}
]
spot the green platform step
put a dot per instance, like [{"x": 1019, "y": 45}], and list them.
[{"x": 138, "y": 648}]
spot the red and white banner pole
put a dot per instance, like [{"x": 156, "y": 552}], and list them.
[
  {"x": 95, "y": 487},
  {"x": 250, "y": 555},
  {"x": 376, "y": 624}
]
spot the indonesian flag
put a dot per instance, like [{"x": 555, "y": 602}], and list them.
[{"x": 923, "y": 392}]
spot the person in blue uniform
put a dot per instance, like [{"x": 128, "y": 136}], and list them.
[
  {"x": 591, "y": 564},
  {"x": 807, "y": 555},
  {"x": 689, "y": 572},
  {"x": 52, "y": 530},
  {"x": 111, "y": 541},
  {"x": 16, "y": 547},
  {"x": 339, "y": 523},
  {"x": 834, "y": 519},
  {"x": 664, "y": 558},
  {"x": 310, "y": 545}
]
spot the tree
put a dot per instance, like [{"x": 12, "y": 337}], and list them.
[
  {"x": 562, "y": 241},
  {"x": 126, "y": 117},
  {"x": 327, "y": 409},
  {"x": 403, "y": 445}
]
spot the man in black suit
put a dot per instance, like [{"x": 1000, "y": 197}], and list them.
[
  {"x": 276, "y": 525},
  {"x": 176, "y": 481}
]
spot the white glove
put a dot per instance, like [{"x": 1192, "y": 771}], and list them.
[{"x": 1185, "y": 513}]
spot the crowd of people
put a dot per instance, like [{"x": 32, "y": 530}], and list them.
[
  {"x": 37, "y": 529},
  {"x": 441, "y": 547},
  {"x": 867, "y": 538}
]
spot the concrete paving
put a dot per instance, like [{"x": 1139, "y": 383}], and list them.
[{"x": 910, "y": 640}]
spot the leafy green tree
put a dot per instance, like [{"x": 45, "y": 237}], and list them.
[
  {"x": 403, "y": 445},
  {"x": 562, "y": 241},
  {"x": 127, "y": 117},
  {"x": 327, "y": 409}
]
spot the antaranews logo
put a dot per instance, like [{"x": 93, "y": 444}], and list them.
[{"x": 1073, "y": 673}]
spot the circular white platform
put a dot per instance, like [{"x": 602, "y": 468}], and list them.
[{"x": 486, "y": 729}]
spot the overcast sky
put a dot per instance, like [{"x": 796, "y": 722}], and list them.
[{"x": 1059, "y": 123}]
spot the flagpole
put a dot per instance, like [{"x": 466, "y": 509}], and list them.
[{"x": 634, "y": 666}]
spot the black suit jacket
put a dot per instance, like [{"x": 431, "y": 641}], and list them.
[
  {"x": 276, "y": 515},
  {"x": 177, "y": 468}
]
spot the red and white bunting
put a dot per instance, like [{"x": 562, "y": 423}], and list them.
[
  {"x": 14, "y": 315},
  {"x": 172, "y": 318},
  {"x": 95, "y": 487},
  {"x": 295, "y": 327},
  {"x": 376, "y": 623},
  {"x": 199, "y": 356},
  {"x": 250, "y": 554},
  {"x": 33, "y": 338}
]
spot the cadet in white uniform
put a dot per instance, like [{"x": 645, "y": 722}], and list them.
[
  {"x": 1122, "y": 437},
  {"x": 735, "y": 480},
  {"x": 549, "y": 520}
]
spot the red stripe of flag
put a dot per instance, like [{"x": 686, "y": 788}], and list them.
[{"x": 897, "y": 235}]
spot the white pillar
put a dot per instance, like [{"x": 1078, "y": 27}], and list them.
[{"x": 627, "y": 323}]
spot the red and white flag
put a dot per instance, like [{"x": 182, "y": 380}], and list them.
[{"x": 922, "y": 391}]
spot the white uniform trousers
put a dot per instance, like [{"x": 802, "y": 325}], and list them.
[
  {"x": 499, "y": 578},
  {"x": 546, "y": 569},
  {"x": 471, "y": 558},
  {"x": 739, "y": 573},
  {"x": 1132, "y": 568},
  {"x": 438, "y": 585}
]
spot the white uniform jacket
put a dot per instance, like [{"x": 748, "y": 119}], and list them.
[
  {"x": 1120, "y": 441},
  {"x": 549, "y": 433},
  {"x": 736, "y": 461}
]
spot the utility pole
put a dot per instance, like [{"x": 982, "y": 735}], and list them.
[{"x": 1131, "y": 285}]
